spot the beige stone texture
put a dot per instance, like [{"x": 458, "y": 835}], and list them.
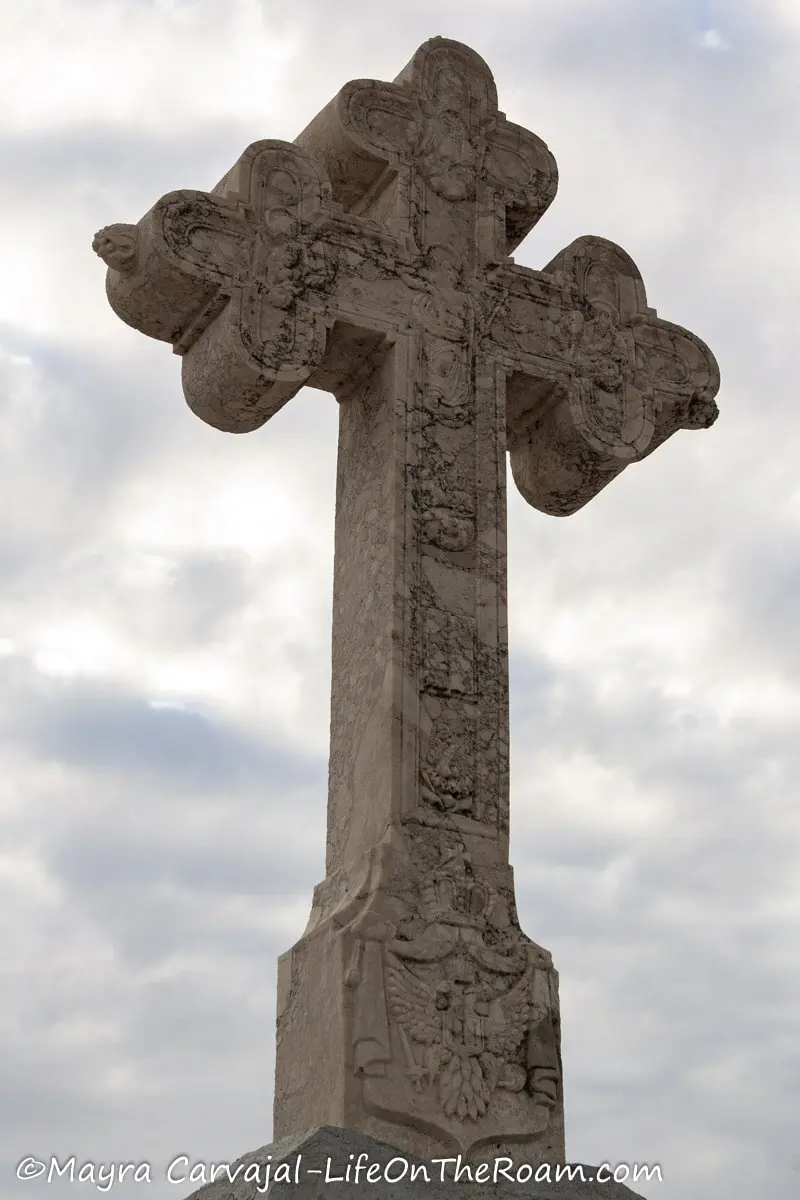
[{"x": 371, "y": 258}]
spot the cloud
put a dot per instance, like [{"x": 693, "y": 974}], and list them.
[{"x": 711, "y": 39}]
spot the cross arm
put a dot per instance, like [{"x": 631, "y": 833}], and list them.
[
  {"x": 597, "y": 380},
  {"x": 219, "y": 274},
  {"x": 164, "y": 271},
  {"x": 438, "y": 121}
]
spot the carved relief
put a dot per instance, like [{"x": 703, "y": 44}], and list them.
[
  {"x": 448, "y": 653},
  {"x": 601, "y": 285},
  {"x": 601, "y": 353},
  {"x": 674, "y": 364},
  {"x": 289, "y": 261},
  {"x": 437, "y": 482},
  {"x": 447, "y": 782},
  {"x": 445, "y": 786},
  {"x": 442, "y": 310},
  {"x": 449, "y": 152},
  {"x": 207, "y": 233},
  {"x": 456, "y": 1006},
  {"x": 523, "y": 172},
  {"x": 444, "y": 499},
  {"x": 459, "y": 1034},
  {"x": 628, "y": 352},
  {"x": 612, "y": 413},
  {"x": 391, "y": 126},
  {"x": 289, "y": 269},
  {"x": 443, "y": 267},
  {"x": 445, "y": 493},
  {"x": 608, "y": 384},
  {"x": 116, "y": 245},
  {"x": 701, "y": 412},
  {"x": 291, "y": 264},
  {"x": 447, "y": 529},
  {"x": 446, "y": 385}
]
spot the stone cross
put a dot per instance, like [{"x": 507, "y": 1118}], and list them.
[{"x": 370, "y": 258}]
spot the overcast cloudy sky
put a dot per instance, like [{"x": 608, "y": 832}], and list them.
[{"x": 165, "y": 598}]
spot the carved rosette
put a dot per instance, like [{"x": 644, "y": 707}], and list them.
[{"x": 454, "y": 1024}]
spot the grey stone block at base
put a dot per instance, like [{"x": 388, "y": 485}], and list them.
[{"x": 310, "y": 1156}]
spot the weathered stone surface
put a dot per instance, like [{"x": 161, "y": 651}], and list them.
[
  {"x": 330, "y": 1162},
  {"x": 370, "y": 258}
]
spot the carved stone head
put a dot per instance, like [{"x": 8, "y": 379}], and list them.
[{"x": 116, "y": 245}]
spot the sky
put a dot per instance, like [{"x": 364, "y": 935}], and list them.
[{"x": 165, "y": 604}]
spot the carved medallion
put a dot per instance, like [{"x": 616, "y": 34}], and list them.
[{"x": 610, "y": 411}]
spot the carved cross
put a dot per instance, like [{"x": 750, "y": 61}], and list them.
[{"x": 371, "y": 258}]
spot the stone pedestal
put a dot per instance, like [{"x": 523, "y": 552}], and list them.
[
  {"x": 331, "y": 1162},
  {"x": 415, "y": 1010}
]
